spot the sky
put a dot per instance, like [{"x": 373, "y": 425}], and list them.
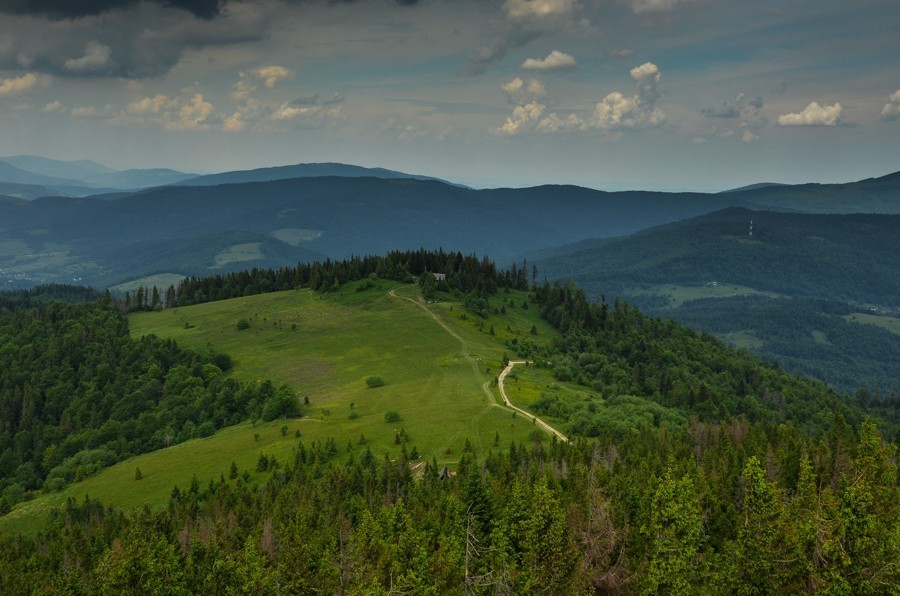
[{"x": 610, "y": 94}]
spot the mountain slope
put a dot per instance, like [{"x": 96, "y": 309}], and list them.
[
  {"x": 873, "y": 195},
  {"x": 834, "y": 257},
  {"x": 783, "y": 293}
]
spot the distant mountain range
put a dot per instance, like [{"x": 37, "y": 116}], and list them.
[
  {"x": 29, "y": 177},
  {"x": 41, "y": 177},
  {"x": 276, "y": 216}
]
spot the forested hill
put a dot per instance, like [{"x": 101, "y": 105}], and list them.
[
  {"x": 733, "y": 479},
  {"x": 849, "y": 258}
]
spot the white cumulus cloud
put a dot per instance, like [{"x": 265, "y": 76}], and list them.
[
  {"x": 192, "y": 115},
  {"x": 53, "y": 106},
  {"x": 172, "y": 113},
  {"x": 521, "y": 117},
  {"x": 271, "y": 75},
  {"x": 96, "y": 59},
  {"x": 813, "y": 115},
  {"x": 519, "y": 92},
  {"x": 18, "y": 85},
  {"x": 749, "y": 136},
  {"x": 537, "y": 10},
  {"x": 620, "y": 112},
  {"x": 553, "y": 123},
  {"x": 556, "y": 60},
  {"x": 891, "y": 110},
  {"x": 234, "y": 123}
]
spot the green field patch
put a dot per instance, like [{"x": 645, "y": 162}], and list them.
[
  {"x": 325, "y": 346},
  {"x": 892, "y": 324},
  {"x": 820, "y": 338},
  {"x": 161, "y": 281},
  {"x": 679, "y": 294},
  {"x": 742, "y": 339},
  {"x": 238, "y": 253},
  {"x": 161, "y": 470},
  {"x": 526, "y": 384},
  {"x": 295, "y": 236}
]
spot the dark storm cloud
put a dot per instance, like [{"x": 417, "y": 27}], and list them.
[{"x": 74, "y": 9}]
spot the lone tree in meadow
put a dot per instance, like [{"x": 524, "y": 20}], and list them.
[{"x": 282, "y": 403}]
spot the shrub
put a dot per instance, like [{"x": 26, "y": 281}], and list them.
[
  {"x": 374, "y": 381},
  {"x": 243, "y": 324},
  {"x": 392, "y": 416}
]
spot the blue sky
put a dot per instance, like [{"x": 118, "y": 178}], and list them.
[{"x": 611, "y": 94}]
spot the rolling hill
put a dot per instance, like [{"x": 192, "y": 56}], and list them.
[
  {"x": 304, "y": 170},
  {"x": 787, "y": 292}
]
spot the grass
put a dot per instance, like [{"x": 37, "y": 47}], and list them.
[
  {"x": 743, "y": 339},
  {"x": 437, "y": 378},
  {"x": 295, "y": 236},
  {"x": 892, "y": 324},
  {"x": 161, "y": 281},
  {"x": 679, "y": 294},
  {"x": 239, "y": 253},
  {"x": 206, "y": 458},
  {"x": 525, "y": 384}
]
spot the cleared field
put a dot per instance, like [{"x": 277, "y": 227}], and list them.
[
  {"x": 163, "y": 469},
  {"x": 679, "y": 294},
  {"x": 892, "y": 324},
  {"x": 743, "y": 339},
  {"x": 239, "y": 253},
  {"x": 161, "y": 281},
  {"x": 525, "y": 384},
  {"x": 295, "y": 236}
]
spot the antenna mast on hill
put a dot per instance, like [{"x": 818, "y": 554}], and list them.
[{"x": 751, "y": 229}]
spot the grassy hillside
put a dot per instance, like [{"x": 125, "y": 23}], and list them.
[{"x": 437, "y": 375}]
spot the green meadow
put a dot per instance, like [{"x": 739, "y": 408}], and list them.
[
  {"x": 892, "y": 324},
  {"x": 439, "y": 365},
  {"x": 679, "y": 294}
]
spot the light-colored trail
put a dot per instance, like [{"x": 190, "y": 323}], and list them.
[
  {"x": 509, "y": 404},
  {"x": 486, "y": 385}
]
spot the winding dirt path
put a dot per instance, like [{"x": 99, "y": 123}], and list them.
[
  {"x": 509, "y": 404},
  {"x": 486, "y": 386}
]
